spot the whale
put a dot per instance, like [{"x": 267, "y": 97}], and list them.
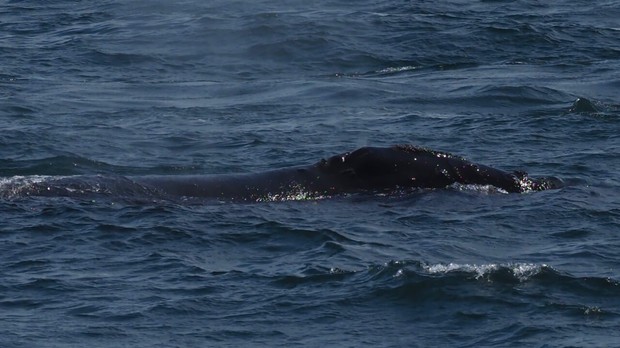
[{"x": 399, "y": 168}]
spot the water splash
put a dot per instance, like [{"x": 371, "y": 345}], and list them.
[{"x": 521, "y": 271}]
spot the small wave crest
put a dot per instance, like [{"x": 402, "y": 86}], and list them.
[
  {"x": 486, "y": 286},
  {"x": 519, "y": 271},
  {"x": 417, "y": 272}
]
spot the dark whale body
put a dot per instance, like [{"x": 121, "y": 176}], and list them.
[{"x": 368, "y": 169}]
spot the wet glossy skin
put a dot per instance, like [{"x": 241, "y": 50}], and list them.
[{"x": 374, "y": 168}]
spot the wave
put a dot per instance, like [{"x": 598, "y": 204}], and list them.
[
  {"x": 511, "y": 273},
  {"x": 481, "y": 285},
  {"x": 518, "y": 271},
  {"x": 71, "y": 164},
  {"x": 396, "y": 275}
]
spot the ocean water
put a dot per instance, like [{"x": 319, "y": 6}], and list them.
[{"x": 219, "y": 87}]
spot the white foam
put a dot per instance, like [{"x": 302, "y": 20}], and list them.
[
  {"x": 487, "y": 189},
  {"x": 521, "y": 271},
  {"x": 16, "y": 185},
  {"x": 396, "y": 69}
]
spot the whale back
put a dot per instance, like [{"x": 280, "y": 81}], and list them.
[{"x": 392, "y": 167}]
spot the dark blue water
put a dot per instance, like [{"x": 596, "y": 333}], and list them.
[{"x": 193, "y": 87}]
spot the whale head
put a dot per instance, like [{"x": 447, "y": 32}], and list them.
[{"x": 405, "y": 166}]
